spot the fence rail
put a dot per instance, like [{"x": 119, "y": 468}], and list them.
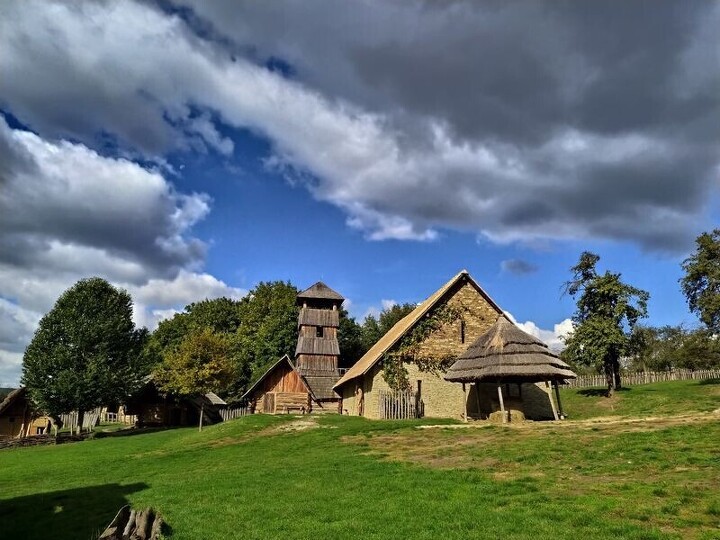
[
  {"x": 400, "y": 405},
  {"x": 235, "y": 412},
  {"x": 631, "y": 379}
]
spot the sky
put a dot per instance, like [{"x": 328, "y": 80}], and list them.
[{"x": 186, "y": 150}]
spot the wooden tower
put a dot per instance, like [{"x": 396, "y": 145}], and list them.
[{"x": 317, "y": 353}]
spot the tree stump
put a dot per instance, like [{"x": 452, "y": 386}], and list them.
[{"x": 131, "y": 524}]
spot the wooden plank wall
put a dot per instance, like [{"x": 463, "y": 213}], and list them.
[{"x": 283, "y": 379}]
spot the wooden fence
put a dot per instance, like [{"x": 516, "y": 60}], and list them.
[
  {"x": 631, "y": 379},
  {"x": 235, "y": 412},
  {"x": 90, "y": 419},
  {"x": 400, "y": 405}
]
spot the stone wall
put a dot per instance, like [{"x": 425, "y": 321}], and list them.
[{"x": 442, "y": 399}]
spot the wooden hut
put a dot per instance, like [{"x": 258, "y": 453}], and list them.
[
  {"x": 510, "y": 371},
  {"x": 281, "y": 389},
  {"x": 364, "y": 389},
  {"x": 153, "y": 408},
  {"x": 18, "y": 417}
]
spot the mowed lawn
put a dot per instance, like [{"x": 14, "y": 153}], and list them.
[{"x": 337, "y": 477}]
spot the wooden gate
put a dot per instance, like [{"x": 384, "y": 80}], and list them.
[{"x": 400, "y": 405}]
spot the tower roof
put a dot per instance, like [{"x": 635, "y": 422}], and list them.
[{"x": 320, "y": 291}]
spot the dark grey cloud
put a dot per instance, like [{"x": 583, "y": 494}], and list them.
[
  {"x": 520, "y": 120},
  {"x": 518, "y": 266},
  {"x": 62, "y": 203}
]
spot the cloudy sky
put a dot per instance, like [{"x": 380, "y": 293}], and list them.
[{"x": 192, "y": 149}]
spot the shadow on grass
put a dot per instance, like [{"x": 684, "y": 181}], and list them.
[
  {"x": 709, "y": 381},
  {"x": 72, "y": 514},
  {"x": 132, "y": 431},
  {"x": 599, "y": 392}
]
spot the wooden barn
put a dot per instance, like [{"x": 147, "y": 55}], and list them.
[
  {"x": 153, "y": 408},
  {"x": 19, "y": 419},
  {"x": 281, "y": 389}
]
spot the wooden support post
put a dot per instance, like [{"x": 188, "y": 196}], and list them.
[
  {"x": 477, "y": 398},
  {"x": 502, "y": 404},
  {"x": 552, "y": 401},
  {"x": 465, "y": 419},
  {"x": 559, "y": 403}
]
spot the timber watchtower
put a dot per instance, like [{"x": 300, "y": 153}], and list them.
[{"x": 317, "y": 353}]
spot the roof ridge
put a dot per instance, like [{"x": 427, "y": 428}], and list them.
[{"x": 392, "y": 336}]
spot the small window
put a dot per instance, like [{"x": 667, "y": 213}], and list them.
[
  {"x": 318, "y": 331},
  {"x": 462, "y": 331}
]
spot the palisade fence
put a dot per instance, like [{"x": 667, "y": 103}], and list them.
[
  {"x": 90, "y": 419},
  {"x": 400, "y": 405},
  {"x": 631, "y": 379},
  {"x": 234, "y": 412}
]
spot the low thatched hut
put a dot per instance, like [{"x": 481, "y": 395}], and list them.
[
  {"x": 504, "y": 359},
  {"x": 154, "y": 408},
  {"x": 18, "y": 417}
]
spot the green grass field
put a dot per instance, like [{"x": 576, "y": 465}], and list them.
[{"x": 337, "y": 477}]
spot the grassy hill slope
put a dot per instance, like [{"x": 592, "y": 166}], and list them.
[{"x": 338, "y": 477}]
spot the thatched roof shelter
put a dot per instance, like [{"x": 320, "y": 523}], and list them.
[{"x": 505, "y": 353}]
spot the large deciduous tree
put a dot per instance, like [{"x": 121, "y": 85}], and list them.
[
  {"x": 701, "y": 283},
  {"x": 607, "y": 311},
  {"x": 268, "y": 326},
  {"x": 86, "y": 351},
  {"x": 200, "y": 364}
]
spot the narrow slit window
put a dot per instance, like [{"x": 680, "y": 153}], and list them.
[
  {"x": 318, "y": 331},
  {"x": 462, "y": 331}
]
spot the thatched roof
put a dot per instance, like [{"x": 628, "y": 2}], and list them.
[
  {"x": 12, "y": 396},
  {"x": 329, "y": 318},
  {"x": 320, "y": 291},
  {"x": 507, "y": 354},
  {"x": 316, "y": 345},
  {"x": 284, "y": 359},
  {"x": 406, "y": 324},
  {"x": 214, "y": 399}
]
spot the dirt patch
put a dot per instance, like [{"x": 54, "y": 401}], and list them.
[{"x": 302, "y": 424}]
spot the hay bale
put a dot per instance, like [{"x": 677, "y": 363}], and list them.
[{"x": 516, "y": 415}]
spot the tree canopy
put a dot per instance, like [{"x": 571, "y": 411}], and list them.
[
  {"x": 607, "y": 311},
  {"x": 86, "y": 351},
  {"x": 200, "y": 364},
  {"x": 701, "y": 283}
]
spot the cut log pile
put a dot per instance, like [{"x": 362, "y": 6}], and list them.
[{"x": 131, "y": 524}]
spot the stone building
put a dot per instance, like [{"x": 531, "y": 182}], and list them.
[
  {"x": 472, "y": 312},
  {"x": 427, "y": 342}
]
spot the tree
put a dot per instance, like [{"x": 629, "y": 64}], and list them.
[
  {"x": 374, "y": 329},
  {"x": 201, "y": 364},
  {"x": 221, "y": 315},
  {"x": 268, "y": 329},
  {"x": 701, "y": 283},
  {"x": 350, "y": 339},
  {"x": 86, "y": 351},
  {"x": 607, "y": 311}
]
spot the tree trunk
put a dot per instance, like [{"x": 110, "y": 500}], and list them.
[
  {"x": 616, "y": 374},
  {"x": 202, "y": 409},
  {"x": 80, "y": 418},
  {"x": 609, "y": 378}
]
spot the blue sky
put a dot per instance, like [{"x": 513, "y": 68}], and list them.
[{"x": 188, "y": 150}]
